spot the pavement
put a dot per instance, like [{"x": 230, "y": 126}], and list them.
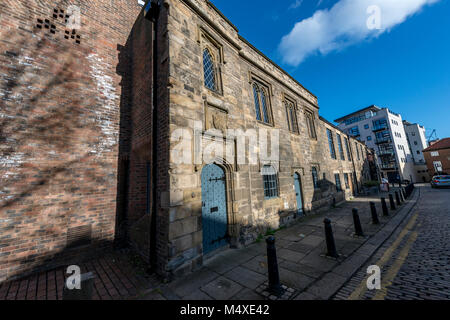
[
  {"x": 241, "y": 274},
  {"x": 118, "y": 275},
  {"x": 304, "y": 269},
  {"x": 415, "y": 261}
]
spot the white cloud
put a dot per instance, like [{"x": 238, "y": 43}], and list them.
[
  {"x": 296, "y": 4},
  {"x": 342, "y": 25}
]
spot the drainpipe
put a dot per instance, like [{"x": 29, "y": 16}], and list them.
[{"x": 152, "y": 8}]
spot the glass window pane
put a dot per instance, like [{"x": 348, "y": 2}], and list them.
[{"x": 208, "y": 70}]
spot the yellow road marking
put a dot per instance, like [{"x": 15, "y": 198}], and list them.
[
  {"x": 362, "y": 288},
  {"x": 393, "y": 271}
]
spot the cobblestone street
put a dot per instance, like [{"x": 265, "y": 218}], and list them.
[{"x": 415, "y": 261}]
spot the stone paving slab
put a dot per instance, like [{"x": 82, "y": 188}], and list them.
[
  {"x": 301, "y": 254},
  {"x": 234, "y": 274}
]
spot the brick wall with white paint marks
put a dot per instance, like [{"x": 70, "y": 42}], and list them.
[{"x": 60, "y": 128}]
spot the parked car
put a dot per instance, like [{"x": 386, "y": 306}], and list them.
[{"x": 440, "y": 181}]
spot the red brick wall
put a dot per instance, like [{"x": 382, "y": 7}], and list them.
[
  {"x": 60, "y": 127},
  {"x": 444, "y": 158}
]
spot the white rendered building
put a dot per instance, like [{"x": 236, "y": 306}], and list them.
[{"x": 383, "y": 130}]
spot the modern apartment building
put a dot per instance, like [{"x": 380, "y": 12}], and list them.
[
  {"x": 383, "y": 130},
  {"x": 415, "y": 133}
]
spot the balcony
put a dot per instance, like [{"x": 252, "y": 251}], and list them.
[
  {"x": 387, "y": 166},
  {"x": 380, "y": 127},
  {"x": 386, "y": 153},
  {"x": 383, "y": 140}
]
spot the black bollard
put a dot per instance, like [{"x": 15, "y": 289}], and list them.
[
  {"x": 272, "y": 264},
  {"x": 373, "y": 210},
  {"x": 391, "y": 201},
  {"x": 405, "y": 196},
  {"x": 358, "y": 229},
  {"x": 384, "y": 206},
  {"x": 331, "y": 246},
  {"x": 397, "y": 198}
]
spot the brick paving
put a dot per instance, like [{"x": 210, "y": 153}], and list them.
[
  {"x": 424, "y": 273},
  {"x": 115, "y": 278}
]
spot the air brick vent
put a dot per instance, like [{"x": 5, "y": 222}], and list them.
[{"x": 79, "y": 236}]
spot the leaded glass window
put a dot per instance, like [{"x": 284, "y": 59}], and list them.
[
  {"x": 341, "y": 149},
  {"x": 331, "y": 144},
  {"x": 262, "y": 106},
  {"x": 209, "y": 70},
  {"x": 338, "y": 182},
  {"x": 315, "y": 177},
  {"x": 291, "y": 117},
  {"x": 257, "y": 105},
  {"x": 310, "y": 124}
]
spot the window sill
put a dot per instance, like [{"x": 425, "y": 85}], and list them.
[
  {"x": 218, "y": 93},
  {"x": 265, "y": 123}
]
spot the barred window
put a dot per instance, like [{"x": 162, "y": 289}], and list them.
[
  {"x": 270, "y": 181},
  {"x": 209, "y": 70},
  {"x": 291, "y": 117},
  {"x": 315, "y": 177},
  {"x": 331, "y": 144},
  {"x": 338, "y": 182},
  {"x": 262, "y": 106}
]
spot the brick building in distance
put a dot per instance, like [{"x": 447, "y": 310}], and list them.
[
  {"x": 102, "y": 123},
  {"x": 437, "y": 157}
]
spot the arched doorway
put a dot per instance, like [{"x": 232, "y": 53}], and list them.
[
  {"x": 298, "y": 193},
  {"x": 214, "y": 208}
]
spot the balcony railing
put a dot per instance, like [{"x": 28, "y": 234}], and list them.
[
  {"x": 387, "y": 166},
  {"x": 380, "y": 127},
  {"x": 383, "y": 140}
]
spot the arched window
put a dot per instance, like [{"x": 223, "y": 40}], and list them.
[
  {"x": 291, "y": 117},
  {"x": 261, "y": 103},
  {"x": 270, "y": 181},
  {"x": 257, "y": 106},
  {"x": 264, "y": 106},
  {"x": 209, "y": 70}
]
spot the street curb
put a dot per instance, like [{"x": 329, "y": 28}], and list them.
[{"x": 327, "y": 286}]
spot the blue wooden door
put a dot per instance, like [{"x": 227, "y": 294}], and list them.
[
  {"x": 298, "y": 193},
  {"x": 214, "y": 208}
]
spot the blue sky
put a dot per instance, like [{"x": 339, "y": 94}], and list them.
[{"x": 405, "y": 67}]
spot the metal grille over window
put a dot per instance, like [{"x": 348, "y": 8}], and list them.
[
  {"x": 270, "y": 181},
  {"x": 209, "y": 70}
]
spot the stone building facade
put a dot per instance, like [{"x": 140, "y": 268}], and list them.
[
  {"x": 196, "y": 34},
  {"x": 112, "y": 132}
]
